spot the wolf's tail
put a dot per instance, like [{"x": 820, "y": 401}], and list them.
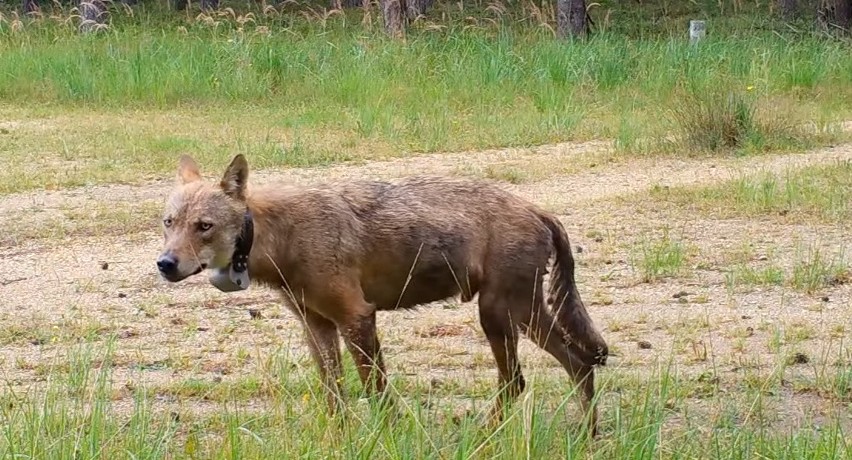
[{"x": 565, "y": 300}]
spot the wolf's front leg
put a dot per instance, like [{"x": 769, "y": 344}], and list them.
[
  {"x": 324, "y": 343},
  {"x": 359, "y": 333}
]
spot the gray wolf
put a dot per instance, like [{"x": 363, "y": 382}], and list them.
[{"x": 342, "y": 252}]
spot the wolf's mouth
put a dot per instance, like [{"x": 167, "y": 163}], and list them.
[
  {"x": 589, "y": 357},
  {"x": 177, "y": 277}
]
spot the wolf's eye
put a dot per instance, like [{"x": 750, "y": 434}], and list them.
[
  {"x": 204, "y": 226},
  {"x": 167, "y": 222}
]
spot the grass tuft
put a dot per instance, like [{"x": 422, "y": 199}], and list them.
[
  {"x": 813, "y": 193},
  {"x": 727, "y": 118},
  {"x": 813, "y": 270},
  {"x": 659, "y": 259}
]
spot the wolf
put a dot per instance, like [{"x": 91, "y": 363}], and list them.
[{"x": 343, "y": 251}]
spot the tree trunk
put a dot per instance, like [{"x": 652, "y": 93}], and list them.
[
  {"x": 418, "y": 7},
  {"x": 571, "y": 18},
  {"x": 92, "y": 14},
  {"x": 843, "y": 14},
  {"x": 393, "y": 12},
  {"x": 30, "y": 6},
  {"x": 340, "y": 4},
  {"x": 836, "y": 14},
  {"x": 789, "y": 9}
]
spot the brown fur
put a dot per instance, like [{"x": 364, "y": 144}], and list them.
[{"x": 344, "y": 251}]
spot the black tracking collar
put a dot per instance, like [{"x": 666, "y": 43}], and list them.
[{"x": 239, "y": 261}]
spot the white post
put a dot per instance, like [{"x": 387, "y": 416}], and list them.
[{"x": 697, "y": 30}]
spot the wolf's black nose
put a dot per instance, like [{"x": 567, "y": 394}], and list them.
[{"x": 167, "y": 264}]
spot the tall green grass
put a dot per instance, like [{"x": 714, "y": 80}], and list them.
[
  {"x": 510, "y": 84},
  {"x": 297, "y": 90},
  {"x": 820, "y": 193},
  {"x": 76, "y": 414}
]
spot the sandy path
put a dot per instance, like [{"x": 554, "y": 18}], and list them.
[{"x": 174, "y": 331}]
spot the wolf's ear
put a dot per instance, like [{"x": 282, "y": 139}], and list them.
[
  {"x": 187, "y": 170},
  {"x": 234, "y": 180}
]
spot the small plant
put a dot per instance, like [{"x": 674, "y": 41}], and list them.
[
  {"x": 660, "y": 259},
  {"x": 814, "y": 271},
  {"x": 712, "y": 120},
  {"x": 818, "y": 192},
  {"x": 715, "y": 120},
  {"x": 749, "y": 276},
  {"x": 507, "y": 174}
]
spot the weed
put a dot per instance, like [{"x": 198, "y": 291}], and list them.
[
  {"x": 725, "y": 118},
  {"x": 813, "y": 270},
  {"x": 745, "y": 275},
  {"x": 659, "y": 259},
  {"x": 821, "y": 192}
]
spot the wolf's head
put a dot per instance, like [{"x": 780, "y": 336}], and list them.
[{"x": 202, "y": 220}]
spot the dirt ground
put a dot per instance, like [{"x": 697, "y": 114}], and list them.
[{"x": 54, "y": 290}]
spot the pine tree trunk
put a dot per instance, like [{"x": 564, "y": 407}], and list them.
[
  {"x": 571, "y": 19},
  {"x": 843, "y": 14},
  {"x": 835, "y": 14},
  {"x": 418, "y": 7},
  {"x": 92, "y": 13},
  {"x": 789, "y": 9},
  {"x": 30, "y": 6},
  {"x": 340, "y": 4},
  {"x": 393, "y": 12}
]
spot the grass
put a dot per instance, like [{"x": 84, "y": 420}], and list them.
[
  {"x": 661, "y": 258},
  {"x": 711, "y": 119},
  {"x": 813, "y": 270},
  {"x": 118, "y": 106},
  {"x": 660, "y": 413},
  {"x": 816, "y": 193},
  {"x": 751, "y": 276},
  {"x": 118, "y": 218}
]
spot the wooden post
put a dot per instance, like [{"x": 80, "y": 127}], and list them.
[{"x": 697, "y": 30}]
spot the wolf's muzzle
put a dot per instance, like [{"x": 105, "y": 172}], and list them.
[{"x": 167, "y": 264}]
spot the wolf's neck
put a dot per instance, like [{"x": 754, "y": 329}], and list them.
[{"x": 272, "y": 228}]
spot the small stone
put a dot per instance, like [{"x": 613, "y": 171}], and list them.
[
  {"x": 255, "y": 313},
  {"x": 202, "y": 328},
  {"x": 799, "y": 358},
  {"x": 745, "y": 317},
  {"x": 749, "y": 331},
  {"x": 825, "y": 298},
  {"x": 598, "y": 239},
  {"x": 579, "y": 249},
  {"x": 644, "y": 345},
  {"x": 680, "y": 294},
  {"x": 783, "y": 212},
  {"x": 105, "y": 266},
  {"x": 127, "y": 334},
  {"x": 121, "y": 295},
  {"x": 38, "y": 341}
]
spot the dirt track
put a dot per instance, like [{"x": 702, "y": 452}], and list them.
[{"x": 167, "y": 333}]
